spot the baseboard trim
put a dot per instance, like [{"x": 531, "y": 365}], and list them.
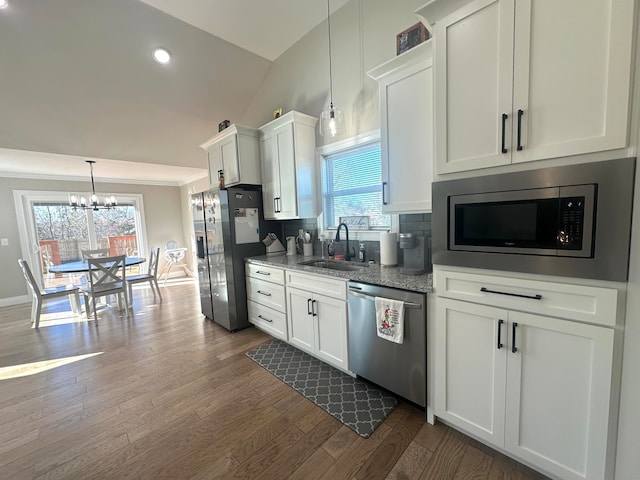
[{"x": 6, "y": 302}]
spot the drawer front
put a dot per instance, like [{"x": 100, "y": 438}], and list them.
[
  {"x": 270, "y": 274},
  {"x": 331, "y": 287},
  {"x": 266, "y": 293},
  {"x": 576, "y": 302},
  {"x": 267, "y": 319}
]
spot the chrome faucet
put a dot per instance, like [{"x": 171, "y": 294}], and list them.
[{"x": 347, "y": 255}]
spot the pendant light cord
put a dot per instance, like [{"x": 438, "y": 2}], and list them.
[
  {"x": 93, "y": 187},
  {"x": 330, "y": 71}
]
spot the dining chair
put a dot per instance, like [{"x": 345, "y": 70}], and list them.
[
  {"x": 95, "y": 253},
  {"x": 151, "y": 276},
  {"x": 40, "y": 295},
  {"x": 107, "y": 276},
  {"x": 91, "y": 253}
]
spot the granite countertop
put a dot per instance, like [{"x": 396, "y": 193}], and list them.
[{"x": 373, "y": 274}]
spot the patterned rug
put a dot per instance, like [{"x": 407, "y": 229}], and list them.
[{"x": 355, "y": 402}]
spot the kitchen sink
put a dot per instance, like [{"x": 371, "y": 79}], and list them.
[{"x": 332, "y": 265}]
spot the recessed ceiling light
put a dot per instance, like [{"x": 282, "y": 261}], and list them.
[
  {"x": 4, "y": 4},
  {"x": 160, "y": 55}
]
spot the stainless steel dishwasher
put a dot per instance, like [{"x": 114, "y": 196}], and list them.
[{"x": 400, "y": 368}]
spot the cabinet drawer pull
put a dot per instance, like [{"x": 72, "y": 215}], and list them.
[
  {"x": 384, "y": 196},
  {"x": 504, "y": 132},
  {"x": 260, "y": 272},
  {"x": 514, "y": 349},
  {"x": 532, "y": 297},
  {"x": 266, "y": 294},
  {"x": 520, "y": 113},
  {"x": 265, "y": 319},
  {"x": 309, "y": 312},
  {"x": 313, "y": 308},
  {"x": 500, "y": 345}
]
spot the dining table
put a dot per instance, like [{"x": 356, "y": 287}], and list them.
[{"x": 81, "y": 266}]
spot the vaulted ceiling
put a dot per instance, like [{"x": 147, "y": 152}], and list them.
[{"x": 77, "y": 79}]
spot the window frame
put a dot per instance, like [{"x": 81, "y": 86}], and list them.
[
  {"x": 23, "y": 202},
  {"x": 355, "y": 142}
]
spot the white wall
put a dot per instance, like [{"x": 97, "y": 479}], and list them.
[{"x": 363, "y": 35}]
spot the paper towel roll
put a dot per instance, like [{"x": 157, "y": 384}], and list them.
[{"x": 388, "y": 249}]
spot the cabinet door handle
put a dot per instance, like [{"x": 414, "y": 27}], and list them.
[
  {"x": 275, "y": 205},
  {"x": 384, "y": 197},
  {"x": 500, "y": 345},
  {"x": 309, "y": 312},
  {"x": 514, "y": 349},
  {"x": 532, "y": 297},
  {"x": 504, "y": 132},
  {"x": 265, "y": 319},
  {"x": 266, "y": 294},
  {"x": 260, "y": 272},
  {"x": 520, "y": 113},
  {"x": 313, "y": 308}
]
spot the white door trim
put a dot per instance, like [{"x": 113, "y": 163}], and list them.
[{"x": 23, "y": 201}]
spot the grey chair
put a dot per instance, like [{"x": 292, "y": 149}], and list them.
[
  {"x": 151, "y": 276},
  {"x": 40, "y": 295},
  {"x": 95, "y": 253},
  {"x": 107, "y": 276}
]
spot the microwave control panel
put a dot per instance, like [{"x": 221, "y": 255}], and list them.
[{"x": 571, "y": 223}]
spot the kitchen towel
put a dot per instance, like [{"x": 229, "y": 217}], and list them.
[
  {"x": 390, "y": 319},
  {"x": 388, "y": 249}
]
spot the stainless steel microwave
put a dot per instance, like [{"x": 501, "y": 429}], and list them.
[
  {"x": 571, "y": 220},
  {"x": 556, "y": 221}
]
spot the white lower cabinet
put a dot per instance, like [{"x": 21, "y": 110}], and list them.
[
  {"x": 301, "y": 320},
  {"x": 271, "y": 321},
  {"x": 266, "y": 303},
  {"x": 470, "y": 379},
  {"x": 317, "y": 323},
  {"x": 539, "y": 387}
]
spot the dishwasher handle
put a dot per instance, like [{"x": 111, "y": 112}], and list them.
[{"x": 372, "y": 298}]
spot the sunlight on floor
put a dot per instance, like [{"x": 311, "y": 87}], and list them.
[
  {"x": 61, "y": 318},
  {"x": 176, "y": 281},
  {"x": 26, "y": 369}
]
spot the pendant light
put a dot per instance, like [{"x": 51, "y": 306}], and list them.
[
  {"x": 331, "y": 120},
  {"x": 80, "y": 201}
]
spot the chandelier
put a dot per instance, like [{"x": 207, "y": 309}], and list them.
[{"x": 80, "y": 201}]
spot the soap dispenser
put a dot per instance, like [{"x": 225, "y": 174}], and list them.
[{"x": 331, "y": 249}]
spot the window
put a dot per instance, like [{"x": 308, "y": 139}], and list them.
[
  {"x": 52, "y": 232},
  {"x": 352, "y": 184}
]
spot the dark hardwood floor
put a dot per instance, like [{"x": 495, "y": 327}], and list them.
[{"x": 173, "y": 396}]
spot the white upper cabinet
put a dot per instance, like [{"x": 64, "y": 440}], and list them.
[
  {"x": 406, "y": 129},
  {"x": 234, "y": 153},
  {"x": 287, "y": 150},
  {"x": 530, "y": 80}
]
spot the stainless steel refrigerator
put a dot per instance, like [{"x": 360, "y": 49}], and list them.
[{"x": 227, "y": 230}]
